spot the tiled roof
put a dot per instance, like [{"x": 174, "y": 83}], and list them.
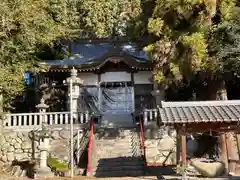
[
  {"x": 200, "y": 111},
  {"x": 90, "y": 53}
]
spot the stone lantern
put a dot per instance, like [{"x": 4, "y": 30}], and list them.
[
  {"x": 42, "y": 107},
  {"x": 75, "y": 105},
  {"x": 158, "y": 94},
  {"x": 43, "y": 135},
  {"x": 76, "y": 91}
]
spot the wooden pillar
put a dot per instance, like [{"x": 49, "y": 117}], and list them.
[
  {"x": 99, "y": 92},
  {"x": 238, "y": 144},
  {"x": 184, "y": 151},
  {"x": 133, "y": 93},
  {"x": 223, "y": 151},
  {"x": 178, "y": 144},
  {"x": 184, "y": 155}
]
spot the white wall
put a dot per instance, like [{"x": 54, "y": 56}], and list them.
[
  {"x": 89, "y": 78},
  {"x": 115, "y": 76},
  {"x": 142, "y": 77}
]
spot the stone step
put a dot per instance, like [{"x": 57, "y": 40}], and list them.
[
  {"x": 115, "y": 146},
  {"x": 121, "y": 159},
  {"x": 118, "y": 168},
  {"x": 119, "y": 173},
  {"x": 116, "y": 164},
  {"x": 119, "y": 153},
  {"x": 112, "y": 156},
  {"x": 114, "y": 131},
  {"x": 111, "y": 159},
  {"x": 106, "y": 141}
]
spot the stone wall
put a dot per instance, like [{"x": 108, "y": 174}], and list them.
[
  {"x": 20, "y": 146},
  {"x": 160, "y": 146}
]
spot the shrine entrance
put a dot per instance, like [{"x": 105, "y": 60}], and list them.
[{"x": 117, "y": 103}]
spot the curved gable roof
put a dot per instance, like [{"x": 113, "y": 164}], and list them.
[{"x": 89, "y": 56}]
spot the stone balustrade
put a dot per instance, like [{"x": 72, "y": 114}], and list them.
[
  {"x": 34, "y": 120},
  {"x": 150, "y": 115}
]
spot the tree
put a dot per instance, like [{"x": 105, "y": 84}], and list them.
[
  {"x": 27, "y": 25},
  {"x": 183, "y": 36},
  {"x": 107, "y": 18},
  {"x": 224, "y": 42}
]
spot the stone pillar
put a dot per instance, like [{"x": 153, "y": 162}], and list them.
[
  {"x": 158, "y": 93},
  {"x": 76, "y": 91},
  {"x": 43, "y": 147}
]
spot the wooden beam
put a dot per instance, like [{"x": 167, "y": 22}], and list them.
[{"x": 204, "y": 127}]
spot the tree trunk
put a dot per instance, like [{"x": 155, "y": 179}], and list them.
[
  {"x": 213, "y": 90},
  {"x": 216, "y": 90},
  {"x": 1, "y": 113},
  {"x": 211, "y": 7},
  {"x": 221, "y": 91}
]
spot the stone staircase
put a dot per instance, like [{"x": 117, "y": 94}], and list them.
[{"x": 118, "y": 153}]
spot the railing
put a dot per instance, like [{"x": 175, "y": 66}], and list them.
[
  {"x": 81, "y": 145},
  {"x": 34, "y": 120},
  {"x": 142, "y": 142},
  {"x": 90, "y": 149},
  {"x": 150, "y": 115},
  {"x": 147, "y": 115}
]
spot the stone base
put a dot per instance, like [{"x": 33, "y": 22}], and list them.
[
  {"x": 208, "y": 169},
  {"x": 43, "y": 172},
  {"x": 91, "y": 173}
]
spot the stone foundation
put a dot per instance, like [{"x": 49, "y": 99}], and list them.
[
  {"x": 19, "y": 146},
  {"x": 160, "y": 146},
  {"x": 16, "y": 146}
]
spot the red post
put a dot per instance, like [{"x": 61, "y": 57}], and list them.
[
  {"x": 142, "y": 140},
  {"x": 90, "y": 147}
]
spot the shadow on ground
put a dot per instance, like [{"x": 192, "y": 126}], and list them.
[
  {"x": 120, "y": 167},
  {"x": 130, "y": 167},
  {"x": 234, "y": 177}
]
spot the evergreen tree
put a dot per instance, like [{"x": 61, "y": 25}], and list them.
[
  {"x": 187, "y": 43},
  {"x": 25, "y": 26}
]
